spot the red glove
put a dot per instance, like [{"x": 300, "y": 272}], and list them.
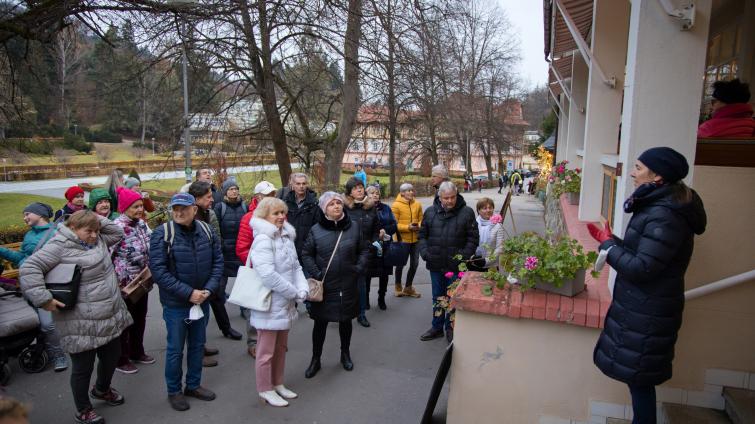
[{"x": 598, "y": 234}]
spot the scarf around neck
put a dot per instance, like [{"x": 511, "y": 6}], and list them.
[
  {"x": 485, "y": 227},
  {"x": 75, "y": 208},
  {"x": 641, "y": 191}
]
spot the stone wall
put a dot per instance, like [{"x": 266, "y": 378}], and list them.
[{"x": 554, "y": 216}]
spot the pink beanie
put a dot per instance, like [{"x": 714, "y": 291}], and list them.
[{"x": 126, "y": 198}]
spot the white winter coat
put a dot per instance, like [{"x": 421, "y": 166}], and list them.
[{"x": 273, "y": 256}]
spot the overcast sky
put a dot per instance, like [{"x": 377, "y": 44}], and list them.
[{"x": 527, "y": 18}]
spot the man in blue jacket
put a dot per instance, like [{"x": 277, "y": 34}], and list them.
[{"x": 186, "y": 261}]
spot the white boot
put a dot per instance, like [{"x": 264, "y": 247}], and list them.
[
  {"x": 273, "y": 399},
  {"x": 285, "y": 393}
]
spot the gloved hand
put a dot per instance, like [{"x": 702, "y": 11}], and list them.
[{"x": 598, "y": 234}]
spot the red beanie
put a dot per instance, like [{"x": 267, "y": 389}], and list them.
[
  {"x": 126, "y": 198},
  {"x": 73, "y": 192}
]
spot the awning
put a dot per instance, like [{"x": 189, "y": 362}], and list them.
[
  {"x": 559, "y": 40},
  {"x": 549, "y": 143}
]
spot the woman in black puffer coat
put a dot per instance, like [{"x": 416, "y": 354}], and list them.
[
  {"x": 637, "y": 343},
  {"x": 340, "y": 299}
]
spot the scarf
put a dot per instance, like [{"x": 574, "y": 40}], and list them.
[
  {"x": 485, "y": 226},
  {"x": 641, "y": 191},
  {"x": 86, "y": 245},
  {"x": 75, "y": 208}
]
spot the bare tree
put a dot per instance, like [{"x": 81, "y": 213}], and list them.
[{"x": 67, "y": 52}]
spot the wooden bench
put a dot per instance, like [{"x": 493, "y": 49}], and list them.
[{"x": 9, "y": 270}]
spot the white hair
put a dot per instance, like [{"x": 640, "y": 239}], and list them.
[
  {"x": 296, "y": 175},
  {"x": 405, "y": 187},
  {"x": 440, "y": 171},
  {"x": 448, "y": 187}
]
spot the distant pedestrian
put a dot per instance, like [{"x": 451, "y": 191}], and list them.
[
  {"x": 114, "y": 180},
  {"x": 229, "y": 213},
  {"x": 337, "y": 240},
  {"x": 636, "y": 345},
  {"x": 75, "y": 197},
  {"x": 516, "y": 182},
  {"x": 408, "y": 213},
  {"x": 136, "y": 185},
  {"x": 273, "y": 255},
  {"x": 387, "y": 226},
  {"x": 491, "y": 237},
  {"x": 93, "y": 327},
  {"x": 480, "y": 183},
  {"x": 448, "y": 229},
  {"x": 130, "y": 257},
  {"x": 360, "y": 174},
  {"x": 501, "y": 183},
  {"x": 205, "y": 174},
  {"x": 186, "y": 261},
  {"x": 362, "y": 211}
]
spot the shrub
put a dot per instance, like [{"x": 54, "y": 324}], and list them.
[
  {"x": 76, "y": 142},
  {"x": 13, "y": 234},
  {"x": 102, "y": 136}
]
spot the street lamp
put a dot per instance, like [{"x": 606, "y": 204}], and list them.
[{"x": 184, "y": 60}]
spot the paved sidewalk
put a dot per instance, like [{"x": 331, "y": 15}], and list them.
[{"x": 390, "y": 383}]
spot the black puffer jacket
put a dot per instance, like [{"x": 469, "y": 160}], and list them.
[
  {"x": 445, "y": 234},
  {"x": 341, "y": 297},
  {"x": 637, "y": 342},
  {"x": 229, "y": 231},
  {"x": 302, "y": 216},
  {"x": 365, "y": 216}
]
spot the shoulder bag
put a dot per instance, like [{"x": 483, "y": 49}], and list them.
[
  {"x": 396, "y": 252},
  {"x": 63, "y": 280},
  {"x": 315, "y": 286},
  {"x": 248, "y": 290},
  {"x": 141, "y": 284}
]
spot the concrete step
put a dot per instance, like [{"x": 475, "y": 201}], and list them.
[
  {"x": 684, "y": 414},
  {"x": 740, "y": 405},
  {"x": 617, "y": 421}
]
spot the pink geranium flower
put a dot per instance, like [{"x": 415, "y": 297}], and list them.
[
  {"x": 449, "y": 274},
  {"x": 496, "y": 219},
  {"x": 530, "y": 263},
  {"x": 461, "y": 274}
]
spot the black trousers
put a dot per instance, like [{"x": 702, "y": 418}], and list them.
[
  {"x": 643, "y": 404},
  {"x": 321, "y": 328},
  {"x": 82, "y": 365},
  {"x": 382, "y": 285},
  {"x": 217, "y": 303},
  {"x": 413, "y": 263}
]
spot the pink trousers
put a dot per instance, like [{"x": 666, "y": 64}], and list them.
[{"x": 271, "y": 358}]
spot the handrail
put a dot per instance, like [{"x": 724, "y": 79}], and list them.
[{"x": 719, "y": 285}]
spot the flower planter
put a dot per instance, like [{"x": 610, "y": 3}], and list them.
[
  {"x": 568, "y": 288},
  {"x": 573, "y": 198}
]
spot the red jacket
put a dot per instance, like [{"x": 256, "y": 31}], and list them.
[
  {"x": 246, "y": 234},
  {"x": 734, "y": 120}
]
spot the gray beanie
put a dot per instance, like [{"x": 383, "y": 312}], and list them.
[
  {"x": 227, "y": 184},
  {"x": 132, "y": 182},
  {"x": 40, "y": 209},
  {"x": 327, "y": 197}
]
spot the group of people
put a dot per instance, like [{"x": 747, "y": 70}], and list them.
[{"x": 340, "y": 239}]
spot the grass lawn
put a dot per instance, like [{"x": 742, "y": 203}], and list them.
[{"x": 12, "y": 206}]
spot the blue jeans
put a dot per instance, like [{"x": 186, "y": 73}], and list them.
[
  {"x": 440, "y": 283},
  {"x": 643, "y": 404},
  {"x": 183, "y": 332}
]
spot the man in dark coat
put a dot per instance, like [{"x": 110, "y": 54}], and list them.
[
  {"x": 362, "y": 211},
  {"x": 228, "y": 213},
  {"x": 186, "y": 262},
  {"x": 449, "y": 228},
  {"x": 340, "y": 293},
  {"x": 637, "y": 343},
  {"x": 302, "y": 208}
]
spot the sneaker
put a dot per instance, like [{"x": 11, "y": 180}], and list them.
[
  {"x": 284, "y": 392},
  {"x": 200, "y": 393},
  {"x": 362, "y": 320},
  {"x": 409, "y": 291},
  {"x": 432, "y": 333},
  {"x": 273, "y": 399},
  {"x": 88, "y": 416},
  {"x": 111, "y": 396},
  {"x": 178, "y": 402},
  {"x": 144, "y": 359},
  {"x": 60, "y": 363},
  {"x": 127, "y": 368}
]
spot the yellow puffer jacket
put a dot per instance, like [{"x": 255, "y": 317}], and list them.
[{"x": 406, "y": 213}]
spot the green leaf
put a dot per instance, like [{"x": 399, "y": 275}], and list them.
[{"x": 487, "y": 290}]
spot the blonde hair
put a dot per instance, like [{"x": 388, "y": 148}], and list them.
[
  {"x": 267, "y": 205},
  {"x": 83, "y": 219},
  {"x": 373, "y": 189},
  {"x": 485, "y": 201}
]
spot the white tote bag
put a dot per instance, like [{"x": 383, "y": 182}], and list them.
[{"x": 248, "y": 290}]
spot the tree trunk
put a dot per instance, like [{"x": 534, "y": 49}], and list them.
[
  {"x": 144, "y": 113},
  {"x": 334, "y": 151},
  {"x": 392, "y": 112}
]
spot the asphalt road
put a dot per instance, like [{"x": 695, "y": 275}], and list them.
[{"x": 390, "y": 383}]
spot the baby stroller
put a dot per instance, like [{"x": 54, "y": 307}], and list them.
[{"x": 19, "y": 335}]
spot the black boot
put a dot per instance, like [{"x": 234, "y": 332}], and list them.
[
  {"x": 314, "y": 367},
  {"x": 381, "y": 302},
  {"x": 346, "y": 360}
]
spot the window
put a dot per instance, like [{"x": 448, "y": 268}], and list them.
[
  {"x": 721, "y": 64},
  {"x": 609, "y": 194}
]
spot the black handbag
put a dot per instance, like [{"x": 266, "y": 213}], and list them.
[
  {"x": 63, "y": 282},
  {"x": 396, "y": 252}
]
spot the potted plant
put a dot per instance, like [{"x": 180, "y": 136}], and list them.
[
  {"x": 563, "y": 180},
  {"x": 553, "y": 264}
]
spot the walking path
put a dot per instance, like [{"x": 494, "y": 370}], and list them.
[{"x": 393, "y": 369}]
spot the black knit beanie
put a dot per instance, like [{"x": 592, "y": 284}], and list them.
[{"x": 666, "y": 162}]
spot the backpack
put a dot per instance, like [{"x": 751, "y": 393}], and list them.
[
  {"x": 170, "y": 232},
  {"x": 224, "y": 207}
]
